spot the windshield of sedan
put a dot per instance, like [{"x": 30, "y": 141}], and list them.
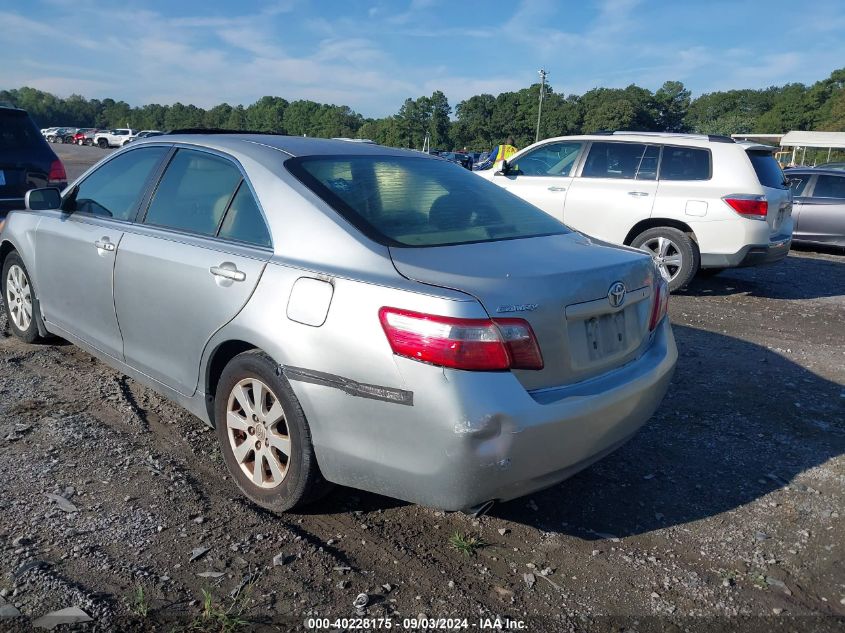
[{"x": 407, "y": 201}]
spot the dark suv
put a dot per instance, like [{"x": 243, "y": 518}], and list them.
[{"x": 26, "y": 160}]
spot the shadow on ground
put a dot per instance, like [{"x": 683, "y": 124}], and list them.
[
  {"x": 796, "y": 277},
  {"x": 716, "y": 443}
]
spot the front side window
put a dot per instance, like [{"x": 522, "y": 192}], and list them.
[
  {"x": 114, "y": 190},
  {"x": 553, "y": 159},
  {"x": 829, "y": 187},
  {"x": 194, "y": 193},
  {"x": 409, "y": 201},
  {"x": 685, "y": 163},
  {"x": 626, "y": 161}
]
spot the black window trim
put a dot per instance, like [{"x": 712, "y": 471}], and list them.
[
  {"x": 140, "y": 218},
  {"x": 704, "y": 149},
  {"x": 335, "y": 203}
]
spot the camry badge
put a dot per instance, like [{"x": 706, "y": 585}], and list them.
[
  {"x": 519, "y": 307},
  {"x": 616, "y": 294}
]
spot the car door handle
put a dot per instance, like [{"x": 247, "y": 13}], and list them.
[
  {"x": 104, "y": 244},
  {"x": 556, "y": 188},
  {"x": 638, "y": 194},
  {"x": 228, "y": 273}
]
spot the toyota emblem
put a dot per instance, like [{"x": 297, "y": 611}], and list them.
[{"x": 616, "y": 294}]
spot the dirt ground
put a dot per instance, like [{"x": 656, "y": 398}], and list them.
[{"x": 725, "y": 512}]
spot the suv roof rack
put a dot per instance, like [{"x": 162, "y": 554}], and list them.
[
  {"x": 199, "y": 130},
  {"x": 714, "y": 138}
]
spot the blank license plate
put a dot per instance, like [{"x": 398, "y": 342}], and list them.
[{"x": 606, "y": 334}]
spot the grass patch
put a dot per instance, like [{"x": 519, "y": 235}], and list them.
[
  {"x": 467, "y": 544},
  {"x": 138, "y": 602}
]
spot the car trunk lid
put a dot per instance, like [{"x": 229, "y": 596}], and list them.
[{"x": 560, "y": 284}]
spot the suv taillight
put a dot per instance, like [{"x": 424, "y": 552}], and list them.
[
  {"x": 659, "y": 301},
  {"x": 754, "y": 207},
  {"x": 57, "y": 172},
  {"x": 471, "y": 344}
]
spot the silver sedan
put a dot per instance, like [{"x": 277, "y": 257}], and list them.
[{"x": 348, "y": 313}]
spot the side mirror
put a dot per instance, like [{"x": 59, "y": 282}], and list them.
[{"x": 45, "y": 199}]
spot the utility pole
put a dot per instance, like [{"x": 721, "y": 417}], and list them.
[{"x": 543, "y": 74}]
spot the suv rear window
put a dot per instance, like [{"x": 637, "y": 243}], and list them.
[
  {"x": 17, "y": 130},
  {"x": 768, "y": 169},
  {"x": 408, "y": 201}
]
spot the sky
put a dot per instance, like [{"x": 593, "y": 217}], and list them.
[{"x": 371, "y": 55}]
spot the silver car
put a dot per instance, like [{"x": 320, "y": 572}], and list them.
[
  {"x": 819, "y": 207},
  {"x": 348, "y": 313}
]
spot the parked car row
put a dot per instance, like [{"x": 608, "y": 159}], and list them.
[{"x": 103, "y": 138}]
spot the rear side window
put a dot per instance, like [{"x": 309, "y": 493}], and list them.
[
  {"x": 409, "y": 201},
  {"x": 243, "y": 221},
  {"x": 685, "y": 163},
  {"x": 114, "y": 190},
  {"x": 17, "y": 131},
  {"x": 798, "y": 183},
  {"x": 829, "y": 187},
  {"x": 626, "y": 161},
  {"x": 552, "y": 159},
  {"x": 768, "y": 169},
  {"x": 194, "y": 193}
]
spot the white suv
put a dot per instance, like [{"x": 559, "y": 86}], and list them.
[
  {"x": 695, "y": 202},
  {"x": 114, "y": 138}
]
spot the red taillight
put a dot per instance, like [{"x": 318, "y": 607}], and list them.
[
  {"x": 57, "y": 172},
  {"x": 755, "y": 207},
  {"x": 472, "y": 344},
  {"x": 659, "y": 302}
]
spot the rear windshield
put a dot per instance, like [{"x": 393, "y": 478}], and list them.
[
  {"x": 408, "y": 201},
  {"x": 17, "y": 130},
  {"x": 768, "y": 170}
]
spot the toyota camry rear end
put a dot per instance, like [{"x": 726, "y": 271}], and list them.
[{"x": 514, "y": 353}]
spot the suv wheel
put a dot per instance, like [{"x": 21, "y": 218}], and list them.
[
  {"x": 102, "y": 143},
  {"x": 264, "y": 436},
  {"x": 675, "y": 254},
  {"x": 20, "y": 299}
]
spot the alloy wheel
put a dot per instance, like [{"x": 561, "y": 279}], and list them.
[
  {"x": 666, "y": 255},
  {"x": 258, "y": 433},
  {"x": 19, "y": 297}
]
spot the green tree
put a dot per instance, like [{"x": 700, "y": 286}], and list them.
[{"x": 671, "y": 101}]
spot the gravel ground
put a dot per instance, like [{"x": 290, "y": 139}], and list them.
[{"x": 724, "y": 512}]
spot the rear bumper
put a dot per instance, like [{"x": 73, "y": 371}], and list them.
[
  {"x": 751, "y": 255},
  {"x": 471, "y": 437}
]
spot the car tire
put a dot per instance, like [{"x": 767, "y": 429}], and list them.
[
  {"x": 257, "y": 435},
  {"x": 674, "y": 252},
  {"x": 22, "y": 309},
  {"x": 102, "y": 143}
]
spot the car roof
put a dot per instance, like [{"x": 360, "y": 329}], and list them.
[{"x": 252, "y": 144}]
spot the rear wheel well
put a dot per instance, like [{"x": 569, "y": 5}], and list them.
[
  {"x": 653, "y": 223},
  {"x": 221, "y": 357},
  {"x": 5, "y": 249}
]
